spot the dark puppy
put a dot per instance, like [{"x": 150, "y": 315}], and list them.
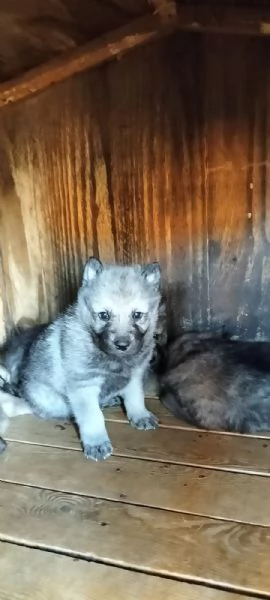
[{"x": 218, "y": 383}]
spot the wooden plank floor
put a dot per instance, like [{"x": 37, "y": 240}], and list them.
[{"x": 175, "y": 513}]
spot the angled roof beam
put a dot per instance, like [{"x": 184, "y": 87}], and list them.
[{"x": 202, "y": 18}]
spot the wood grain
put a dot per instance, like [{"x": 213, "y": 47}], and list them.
[
  {"x": 104, "y": 170},
  {"x": 170, "y": 487},
  {"x": 166, "y": 419},
  {"x": 108, "y": 47},
  {"x": 186, "y": 447},
  {"x": 192, "y": 548},
  {"x": 31, "y": 34},
  {"x": 134, "y": 34},
  {"x": 28, "y": 574}
]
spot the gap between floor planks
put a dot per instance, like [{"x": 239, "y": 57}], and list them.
[
  {"x": 28, "y": 573},
  {"x": 217, "y": 553},
  {"x": 244, "y": 533},
  {"x": 184, "y": 447},
  {"x": 201, "y": 492},
  {"x": 167, "y": 420}
]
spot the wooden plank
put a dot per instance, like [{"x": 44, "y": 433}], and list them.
[
  {"x": 237, "y": 166},
  {"x": 223, "y": 19},
  {"x": 33, "y": 34},
  {"x": 186, "y": 447},
  {"x": 139, "y": 31},
  {"x": 88, "y": 157},
  {"x": 28, "y": 573},
  {"x": 153, "y": 404},
  {"x": 166, "y": 419},
  {"x": 94, "y": 53},
  {"x": 197, "y": 491},
  {"x": 161, "y": 542}
]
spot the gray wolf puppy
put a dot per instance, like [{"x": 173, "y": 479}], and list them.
[
  {"x": 216, "y": 383},
  {"x": 98, "y": 349}
]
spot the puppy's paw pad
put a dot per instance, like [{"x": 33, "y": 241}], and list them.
[
  {"x": 98, "y": 451},
  {"x": 145, "y": 422}
]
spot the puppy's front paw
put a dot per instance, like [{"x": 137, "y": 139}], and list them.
[
  {"x": 144, "y": 421},
  {"x": 99, "y": 451}
]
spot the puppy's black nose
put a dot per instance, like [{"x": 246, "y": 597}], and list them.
[{"x": 122, "y": 344}]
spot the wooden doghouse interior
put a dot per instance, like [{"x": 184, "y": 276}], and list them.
[{"x": 162, "y": 153}]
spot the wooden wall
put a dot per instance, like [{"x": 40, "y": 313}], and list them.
[{"x": 161, "y": 155}]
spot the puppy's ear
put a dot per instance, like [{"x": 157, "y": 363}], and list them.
[
  {"x": 152, "y": 273},
  {"x": 92, "y": 269}
]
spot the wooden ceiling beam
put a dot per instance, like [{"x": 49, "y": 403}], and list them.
[
  {"x": 203, "y": 18},
  {"x": 93, "y": 54}
]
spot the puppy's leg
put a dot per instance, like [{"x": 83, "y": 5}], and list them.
[
  {"x": 88, "y": 415},
  {"x": 12, "y": 406},
  {"x": 137, "y": 413},
  {"x": 45, "y": 402}
]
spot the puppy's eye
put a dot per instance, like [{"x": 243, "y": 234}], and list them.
[
  {"x": 104, "y": 315},
  {"x": 136, "y": 315}
]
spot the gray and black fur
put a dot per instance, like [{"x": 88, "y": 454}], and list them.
[
  {"x": 98, "y": 349},
  {"x": 160, "y": 338},
  {"x": 218, "y": 384}
]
